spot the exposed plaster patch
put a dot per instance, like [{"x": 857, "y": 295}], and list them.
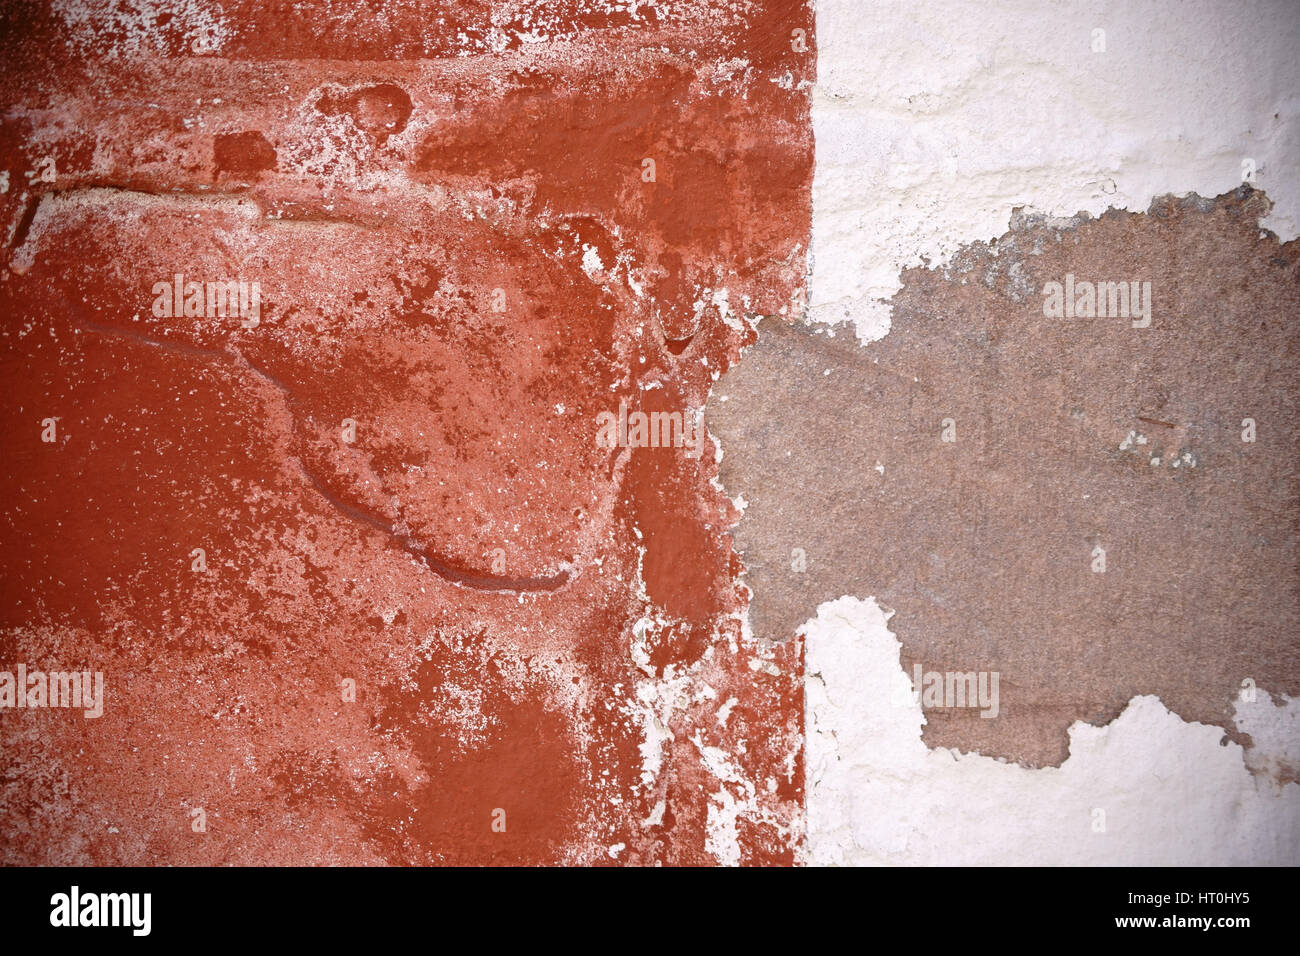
[
  {"x": 1071, "y": 502},
  {"x": 143, "y": 28}
]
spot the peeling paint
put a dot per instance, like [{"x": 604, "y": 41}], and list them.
[
  {"x": 963, "y": 113},
  {"x": 1140, "y": 791}
]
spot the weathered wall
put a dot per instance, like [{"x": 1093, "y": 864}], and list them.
[{"x": 368, "y": 578}]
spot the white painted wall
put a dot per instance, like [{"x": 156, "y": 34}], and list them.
[{"x": 934, "y": 120}]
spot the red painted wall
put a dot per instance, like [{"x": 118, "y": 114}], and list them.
[{"x": 457, "y": 250}]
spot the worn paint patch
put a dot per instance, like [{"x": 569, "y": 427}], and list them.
[{"x": 1093, "y": 509}]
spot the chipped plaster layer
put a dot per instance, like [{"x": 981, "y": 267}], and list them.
[
  {"x": 936, "y": 124},
  {"x": 935, "y": 120},
  {"x": 1169, "y": 793}
]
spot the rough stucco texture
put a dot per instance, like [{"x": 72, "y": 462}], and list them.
[
  {"x": 393, "y": 475},
  {"x": 1068, "y": 434},
  {"x": 1147, "y": 789}
]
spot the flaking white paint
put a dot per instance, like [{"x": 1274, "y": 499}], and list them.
[
  {"x": 1172, "y": 793},
  {"x": 935, "y": 120}
]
